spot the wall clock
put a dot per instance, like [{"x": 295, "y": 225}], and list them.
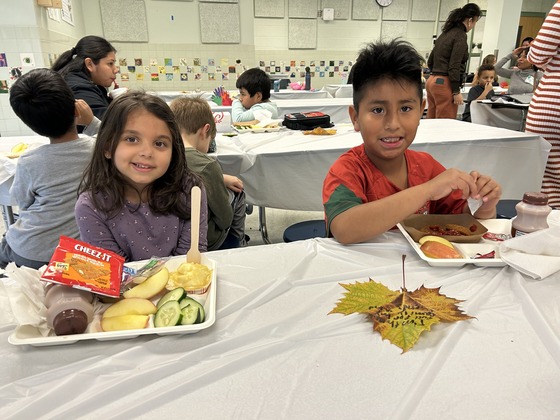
[{"x": 384, "y": 3}]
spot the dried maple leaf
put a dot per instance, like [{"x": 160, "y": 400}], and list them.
[{"x": 399, "y": 317}]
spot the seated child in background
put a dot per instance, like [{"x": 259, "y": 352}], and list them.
[
  {"x": 376, "y": 185},
  {"x": 525, "y": 77},
  {"x": 135, "y": 195},
  {"x": 489, "y": 59},
  {"x": 483, "y": 90},
  {"x": 254, "y": 95},
  {"x": 47, "y": 177},
  {"x": 226, "y": 210}
]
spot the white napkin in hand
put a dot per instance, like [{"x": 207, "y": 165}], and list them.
[
  {"x": 263, "y": 116},
  {"x": 536, "y": 254}
]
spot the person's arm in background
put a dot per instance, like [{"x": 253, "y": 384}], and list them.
[
  {"x": 85, "y": 117},
  {"x": 455, "y": 68},
  {"x": 95, "y": 96},
  {"x": 499, "y": 66},
  {"x": 546, "y": 44},
  {"x": 239, "y": 113}
]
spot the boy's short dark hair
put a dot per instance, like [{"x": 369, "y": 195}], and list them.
[
  {"x": 485, "y": 67},
  {"x": 44, "y": 102},
  {"x": 254, "y": 80},
  {"x": 395, "y": 60}
]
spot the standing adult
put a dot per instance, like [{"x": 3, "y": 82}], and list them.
[
  {"x": 447, "y": 62},
  {"x": 543, "y": 117},
  {"x": 89, "y": 69}
]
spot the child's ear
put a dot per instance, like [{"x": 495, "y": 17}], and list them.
[
  {"x": 258, "y": 96},
  {"x": 354, "y": 117}
]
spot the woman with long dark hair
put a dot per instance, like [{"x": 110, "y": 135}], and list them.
[
  {"x": 89, "y": 68},
  {"x": 447, "y": 62}
]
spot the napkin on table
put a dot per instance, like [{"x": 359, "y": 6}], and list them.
[{"x": 536, "y": 254}]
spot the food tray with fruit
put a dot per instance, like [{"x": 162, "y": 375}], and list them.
[
  {"x": 255, "y": 128},
  {"x": 483, "y": 252},
  {"x": 29, "y": 335}
]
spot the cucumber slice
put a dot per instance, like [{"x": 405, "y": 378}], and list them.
[
  {"x": 186, "y": 301},
  {"x": 190, "y": 314},
  {"x": 168, "y": 315},
  {"x": 175, "y": 294}
]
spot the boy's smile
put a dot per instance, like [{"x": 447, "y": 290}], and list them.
[{"x": 388, "y": 118}]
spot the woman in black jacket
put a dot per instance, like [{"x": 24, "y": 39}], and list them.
[{"x": 89, "y": 68}]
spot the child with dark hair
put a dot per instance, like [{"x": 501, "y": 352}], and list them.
[
  {"x": 226, "y": 209},
  {"x": 136, "y": 192},
  {"x": 525, "y": 77},
  {"x": 254, "y": 95},
  {"x": 47, "y": 177},
  {"x": 376, "y": 185},
  {"x": 89, "y": 68},
  {"x": 483, "y": 90}
]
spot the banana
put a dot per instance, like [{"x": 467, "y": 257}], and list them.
[{"x": 19, "y": 148}]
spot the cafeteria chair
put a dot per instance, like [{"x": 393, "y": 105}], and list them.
[
  {"x": 305, "y": 230},
  {"x": 505, "y": 209}
]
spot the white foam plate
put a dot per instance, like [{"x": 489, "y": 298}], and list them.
[
  {"x": 469, "y": 249},
  {"x": 29, "y": 335}
]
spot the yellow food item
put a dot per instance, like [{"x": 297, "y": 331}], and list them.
[
  {"x": 19, "y": 148},
  {"x": 435, "y": 239},
  {"x": 320, "y": 131},
  {"x": 190, "y": 276},
  {"x": 149, "y": 288},
  {"x": 125, "y": 322},
  {"x": 433, "y": 249}
]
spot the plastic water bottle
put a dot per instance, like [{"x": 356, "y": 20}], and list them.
[
  {"x": 277, "y": 86},
  {"x": 307, "y": 78}
]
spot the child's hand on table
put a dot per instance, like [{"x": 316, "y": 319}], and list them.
[{"x": 233, "y": 183}]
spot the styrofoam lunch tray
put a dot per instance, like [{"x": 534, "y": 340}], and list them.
[
  {"x": 469, "y": 249},
  {"x": 29, "y": 335}
]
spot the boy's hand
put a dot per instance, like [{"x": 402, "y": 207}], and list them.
[
  {"x": 488, "y": 87},
  {"x": 489, "y": 191},
  {"x": 462, "y": 184},
  {"x": 84, "y": 114},
  {"x": 233, "y": 183}
]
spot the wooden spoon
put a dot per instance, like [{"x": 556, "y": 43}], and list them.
[{"x": 193, "y": 255}]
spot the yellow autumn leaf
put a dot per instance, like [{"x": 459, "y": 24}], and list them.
[{"x": 399, "y": 317}]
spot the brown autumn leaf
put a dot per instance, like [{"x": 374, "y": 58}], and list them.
[{"x": 399, "y": 317}]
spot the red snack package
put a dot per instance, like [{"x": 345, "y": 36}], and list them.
[{"x": 84, "y": 266}]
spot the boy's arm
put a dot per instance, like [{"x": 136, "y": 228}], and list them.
[
  {"x": 239, "y": 113},
  {"x": 21, "y": 189},
  {"x": 217, "y": 195},
  {"x": 233, "y": 183}
]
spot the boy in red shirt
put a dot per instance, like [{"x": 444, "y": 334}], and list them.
[{"x": 376, "y": 185}]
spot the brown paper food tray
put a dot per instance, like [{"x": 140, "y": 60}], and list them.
[{"x": 414, "y": 223}]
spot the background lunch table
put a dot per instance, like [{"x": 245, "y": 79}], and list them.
[
  {"x": 508, "y": 115},
  {"x": 337, "y": 108},
  {"x": 168, "y": 96},
  {"x": 274, "y": 352}
]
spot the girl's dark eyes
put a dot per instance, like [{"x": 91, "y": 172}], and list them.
[
  {"x": 130, "y": 139},
  {"x": 161, "y": 143}
]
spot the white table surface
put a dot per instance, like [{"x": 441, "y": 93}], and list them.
[
  {"x": 337, "y": 108},
  {"x": 168, "y": 96},
  {"x": 274, "y": 352},
  {"x": 505, "y": 115},
  {"x": 286, "y": 169},
  {"x": 340, "y": 91}
]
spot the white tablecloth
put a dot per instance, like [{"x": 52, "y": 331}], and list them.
[
  {"x": 299, "y": 94},
  {"x": 340, "y": 91},
  {"x": 286, "y": 169},
  {"x": 274, "y": 352},
  {"x": 169, "y": 95},
  {"x": 337, "y": 108},
  {"x": 510, "y": 115}
]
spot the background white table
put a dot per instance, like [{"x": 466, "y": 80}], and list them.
[
  {"x": 340, "y": 91},
  {"x": 274, "y": 352},
  {"x": 286, "y": 169},
  {"x": 505, "y": 115},
  {"x": 168, "y": 96},
  {"x": 337, "y": 108}
]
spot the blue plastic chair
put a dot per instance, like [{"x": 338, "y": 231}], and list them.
[{"x": 305, "y": 230}]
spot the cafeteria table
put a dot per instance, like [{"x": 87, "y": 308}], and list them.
[
  {"x": 337, "y": 108},
  {"x": 275, "y": 352},
  {"x": 286, "y": 169},
  {"x": 508, "y": 115},
  {"x": 169, "y": 95}
]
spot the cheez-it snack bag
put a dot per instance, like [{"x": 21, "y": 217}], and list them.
[{"x": 79, "y": 264}]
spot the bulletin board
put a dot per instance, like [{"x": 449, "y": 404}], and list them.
[
  {"x": 306, "y": 9},
  {"x": 302, "y": 34},
  {"x": 124, "y": 20},
  {"x": 219, "y": 23},
  {"x": 398, "y": 10},
  {"x": 423, "y": 10},
  {"x": 365, "y": 10},
  {"x": 341, "y": 8},
  {"x": 269, "y": 8}
]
